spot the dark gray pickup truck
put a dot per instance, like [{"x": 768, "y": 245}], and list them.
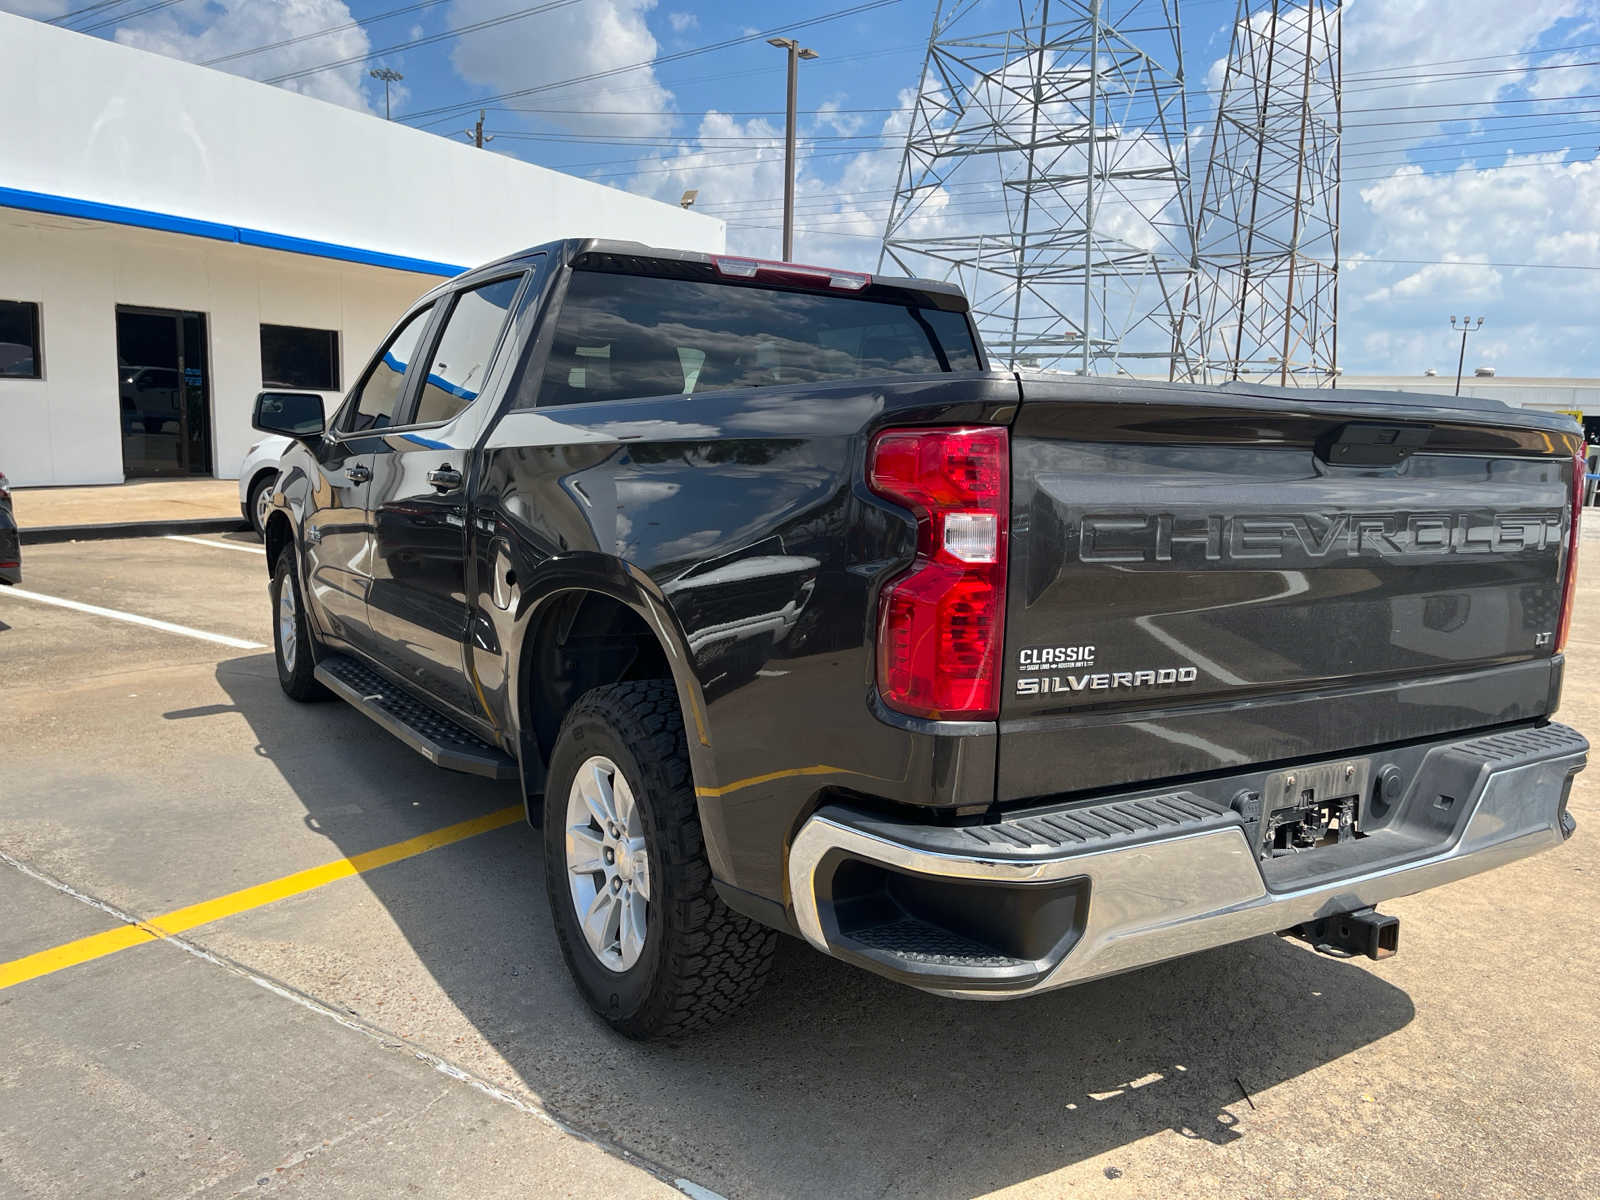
[{"x": 786, "y": 613}]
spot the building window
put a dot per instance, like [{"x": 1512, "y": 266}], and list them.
[
  {"x": 292, "y": 357},
  {"x": 20, "y": 355}
]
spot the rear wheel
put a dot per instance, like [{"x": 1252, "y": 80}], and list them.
[
  {"x": 291, "y": 637},
  {"x": 649, "y": 942}
]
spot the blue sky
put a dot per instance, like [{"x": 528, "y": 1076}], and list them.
[{"x": 1441, "y": 213}]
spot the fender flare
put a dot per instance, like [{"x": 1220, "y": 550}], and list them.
[{"x": 629, "y": 586}]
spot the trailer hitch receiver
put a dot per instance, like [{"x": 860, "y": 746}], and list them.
[{"x": 1364, "y": 931}]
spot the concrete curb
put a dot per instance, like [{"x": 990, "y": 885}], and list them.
[{"x": 41, "y": 535}]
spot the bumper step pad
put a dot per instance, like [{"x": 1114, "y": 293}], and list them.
[
  {"x": 435, "y": 737},
  {"x": 1108, "y": 825},
  {"x": 915, "y": 941}
]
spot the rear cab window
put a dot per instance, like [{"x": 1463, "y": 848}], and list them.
[{"x": 621, "y": 336}]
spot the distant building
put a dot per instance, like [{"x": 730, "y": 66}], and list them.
[
  {"x": 173, "y": 239},
  {"x": 1549, "y": 394}
]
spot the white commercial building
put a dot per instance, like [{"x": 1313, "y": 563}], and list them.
[
  {"x": 173, "y": 239},
  {"x": 1546, "y": 393}
]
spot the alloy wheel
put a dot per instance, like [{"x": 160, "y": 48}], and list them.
[
  {"x": 608, "y": 864},
  {"x": 287, "y": 634},
  {"x": 263, "y": 507}
]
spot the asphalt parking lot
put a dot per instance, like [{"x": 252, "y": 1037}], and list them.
[{"x": 299, "y": 1015}]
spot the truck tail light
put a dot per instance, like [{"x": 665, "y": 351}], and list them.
[
  {"x": 798, "y": 273},
  {"x": 940, "y": 623},
  {"x": 1570, "y": 578}
]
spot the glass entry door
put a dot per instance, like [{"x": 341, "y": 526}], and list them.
[{"x": 163, "y": 392}]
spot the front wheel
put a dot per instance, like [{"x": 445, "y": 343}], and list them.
[
  {"x": 291, "y": 637},
  {"x": 261, "y": 504},
  {"x": 651, "y": 945}
]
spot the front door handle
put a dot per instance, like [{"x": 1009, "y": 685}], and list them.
[
  {"x": 445, "y": 478},
  {"x": 357, "y": 473}
]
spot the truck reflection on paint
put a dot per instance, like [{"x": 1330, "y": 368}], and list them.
[{"x": 741, "y": 611}]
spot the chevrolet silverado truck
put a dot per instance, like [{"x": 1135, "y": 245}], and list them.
[{"x": 786, "y": 613}]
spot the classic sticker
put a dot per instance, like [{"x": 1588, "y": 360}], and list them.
[{"x": 1051, "y": 669}]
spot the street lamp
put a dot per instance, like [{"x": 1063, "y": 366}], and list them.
[
  {"x": 388, "y": 75},
  {"x": 1466, "y": 327},
  {"x": 796, "y": 53}
]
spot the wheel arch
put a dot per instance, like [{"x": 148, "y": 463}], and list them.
[
  {"x": 586, "y": 631},
  {"x": 269, "y": 471},
  {"x": 278, "y": 534}
]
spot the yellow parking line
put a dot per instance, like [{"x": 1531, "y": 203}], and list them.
[{"x": 99, "y": 945}]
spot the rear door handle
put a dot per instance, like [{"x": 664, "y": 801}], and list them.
[
  {"x": 445, "y": 478},
  {"x": 357, "y": 473}
]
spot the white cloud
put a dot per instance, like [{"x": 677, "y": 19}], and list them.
[
  {"x": 1461, "y": 280},
  {"x": 1504, "y": 208},
  {"x": 828, "y": 116},
  {"x": 1535, "y": 209},
  {"x": 1563, "y": 75},
  {"x": 1382, "y": 36},
  {"x": 681, "y": 21},
  {"x": 225, "y": 26},
  {"x": 566, "y": 43},
  {"x": 1451, "y": 223}
]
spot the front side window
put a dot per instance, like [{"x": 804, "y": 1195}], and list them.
[
  {"x": 300, "y": 359},
  {"x": 378, "y": 396},
  {"x": 621, "y": 336},
  {"x": 461, "y": 360},
  {"x": 20, "y": 356}
]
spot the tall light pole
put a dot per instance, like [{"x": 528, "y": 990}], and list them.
[
  {"x": 476, "y": 133},
  {"x": 796, "y": 53},
  {"x": 1466, "y": 327},
  {"x": 388, "y": 75}
]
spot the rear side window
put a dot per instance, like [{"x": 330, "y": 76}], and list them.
[
  {"x": 378, "y": 395},
  {"x": 621, "y": 336},
  {"x": 461, "y": 360}
]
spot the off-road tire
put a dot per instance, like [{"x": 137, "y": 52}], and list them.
[
  {"x": 299, "y": 680},
  {"x": 701, "y": 961}
]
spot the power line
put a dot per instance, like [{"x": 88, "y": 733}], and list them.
[
  {"x": 764, "y": 141},
  {"x": 427, "y": 40},
  {"x": 127, "y": 16},
  {"x": 678, "y": 56},
  {"x": 1457, "y": 262},
  {"x": 63, "y": 18},
  {"x": 685, "y": 143},
  {"x": 1347, "y": 111},
  {"x": 306, "y": 37},
  {"x": 978, "y": 212}
]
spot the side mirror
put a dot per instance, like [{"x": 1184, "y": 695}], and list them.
[{"x": 292, "y": 414}]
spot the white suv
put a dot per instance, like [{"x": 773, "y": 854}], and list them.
[{"x": 257, "y": 474}]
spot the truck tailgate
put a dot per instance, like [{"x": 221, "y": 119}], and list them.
[{"x": 1203, "y": 578}]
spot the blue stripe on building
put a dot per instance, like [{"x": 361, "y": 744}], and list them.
[{"x": 141, "y": 218}]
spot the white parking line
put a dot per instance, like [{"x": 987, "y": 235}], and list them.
[
  {"x": 178, "y": 537},
  {"x": 221, "y": 639}
]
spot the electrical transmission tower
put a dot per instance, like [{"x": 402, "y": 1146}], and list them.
[
  {"x": 1264, "y": 301},
  {"x": 1046, "y": 171}
]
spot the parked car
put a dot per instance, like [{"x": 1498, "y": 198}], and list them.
[
  {"x": 16, "y": 361},
  {"x": 10, "y": 541},
  {"x": 257, "y": 474},
  {"x": 150, "y": 398},
  {"x": 789, "y": 614}
]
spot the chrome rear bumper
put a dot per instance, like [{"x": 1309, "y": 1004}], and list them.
[{"x": 1175, "y": 874}]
